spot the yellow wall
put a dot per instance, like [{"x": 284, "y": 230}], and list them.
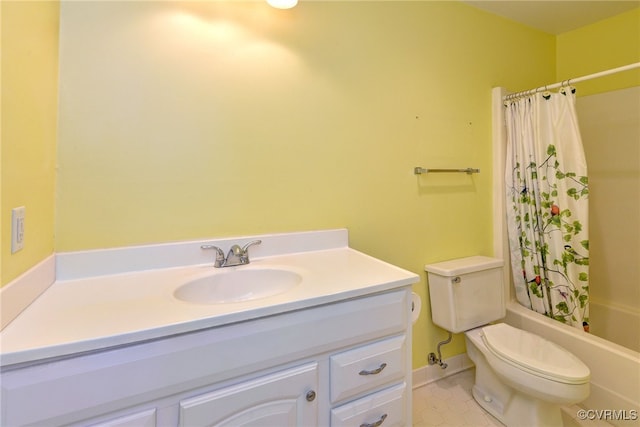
[
  {"x": 607, "y": 44},
  {"x": 185, "y": 120},
  {"x": 28, "y": 136}
]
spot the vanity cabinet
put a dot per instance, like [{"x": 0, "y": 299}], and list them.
[{"x": 340, "y": 364}]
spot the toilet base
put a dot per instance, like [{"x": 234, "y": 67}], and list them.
[{"x": 518, "y": 408}]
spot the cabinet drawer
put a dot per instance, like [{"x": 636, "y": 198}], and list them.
[
  {"x": 386, "y": 408},
  {"x": 367, "y": 367}
]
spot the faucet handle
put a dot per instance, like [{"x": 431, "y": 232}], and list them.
[
  {"x": 246, "y": 247},
  {"x": 244, "y": 254},
  {"x": 219, "y": 254}
]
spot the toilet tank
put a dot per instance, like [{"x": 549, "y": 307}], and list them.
[{"x": 466, "y": 292}]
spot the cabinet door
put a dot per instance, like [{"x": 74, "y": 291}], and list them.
[{"x": 285, "y": 398}]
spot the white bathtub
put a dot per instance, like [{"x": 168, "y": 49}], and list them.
[
  {"x": 620, "y": 325},
  {"x": 615, "y": 370}
]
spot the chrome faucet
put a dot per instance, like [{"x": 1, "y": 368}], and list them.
[{"x": 237, "y": 255}]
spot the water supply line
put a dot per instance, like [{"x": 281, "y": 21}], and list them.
[{"x": 432, "y": 356}]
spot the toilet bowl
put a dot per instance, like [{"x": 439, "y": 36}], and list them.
[{"x": 521, "y": 379}]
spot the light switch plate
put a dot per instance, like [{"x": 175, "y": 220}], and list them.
[{"x": 17, "y": 229}]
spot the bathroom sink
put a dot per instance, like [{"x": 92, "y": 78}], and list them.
[{"x": 243, "y": 284}]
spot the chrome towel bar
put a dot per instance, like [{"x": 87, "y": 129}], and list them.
[{"x": 420, "y": 171}]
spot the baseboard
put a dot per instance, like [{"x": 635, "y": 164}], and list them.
[
  {"x": 22, "y": 291},
  {"x": 430, "y": 373}
]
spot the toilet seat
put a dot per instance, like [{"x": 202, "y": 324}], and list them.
[{"x": 534, "y": 354}]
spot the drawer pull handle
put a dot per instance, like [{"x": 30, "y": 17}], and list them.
[
  {"x": 377, "y": 423},
  {"x": 310, "y": 396},
  {"x": 374, "y": 372}
]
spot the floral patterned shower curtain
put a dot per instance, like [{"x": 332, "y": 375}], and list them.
[{"x": 547, "y": 206}]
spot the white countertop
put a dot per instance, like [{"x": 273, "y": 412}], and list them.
[{"x": 96, "y": 312}]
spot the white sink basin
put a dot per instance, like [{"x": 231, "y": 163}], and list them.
[{"x": 243, "y": 284}]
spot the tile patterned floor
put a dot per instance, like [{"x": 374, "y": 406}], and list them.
[{"x": 448, "y": 403}]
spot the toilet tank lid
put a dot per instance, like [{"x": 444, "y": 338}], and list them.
[{"x": 455, "y": 267}]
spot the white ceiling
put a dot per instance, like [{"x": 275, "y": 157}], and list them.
[{"x": 555, "y": 16}]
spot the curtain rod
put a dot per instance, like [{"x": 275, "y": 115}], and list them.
[{"x": 575, "y": 80}]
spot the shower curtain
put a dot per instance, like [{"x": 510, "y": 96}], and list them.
[{"x": 547, "y": 206}]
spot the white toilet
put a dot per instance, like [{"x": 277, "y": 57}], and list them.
[{"x": 521, "y": 378}]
